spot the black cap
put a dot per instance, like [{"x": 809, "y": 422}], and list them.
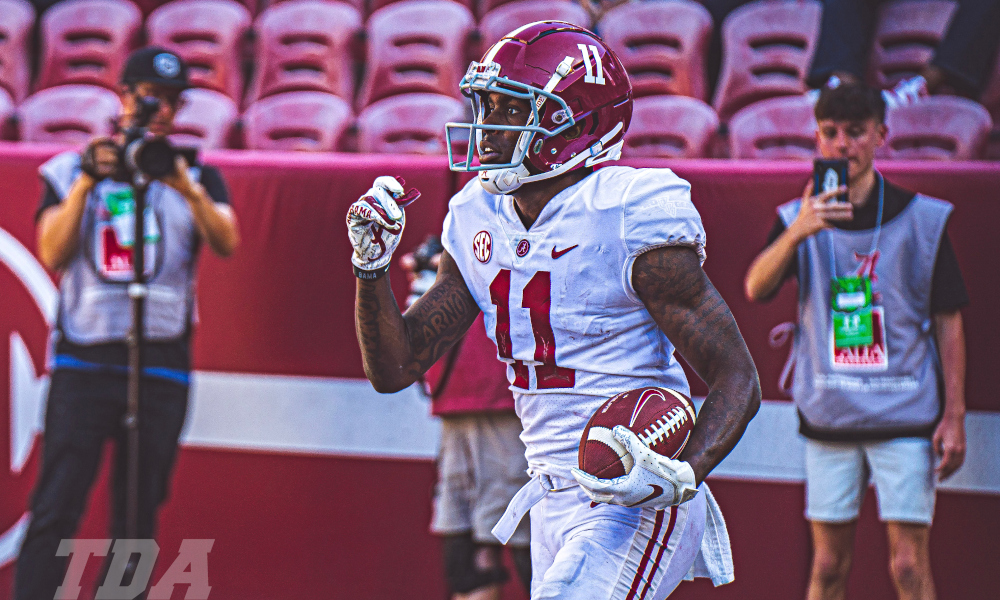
[{"x": 156, "y": 65}]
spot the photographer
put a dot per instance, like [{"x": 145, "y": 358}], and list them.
[
  {"x": 879, "y": 350},
  {"x": 85, "y": 231}
]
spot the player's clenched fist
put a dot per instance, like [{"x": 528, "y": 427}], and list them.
[
  {"x": 654, "y": 481},
  {"x": 375, "y": 223}
]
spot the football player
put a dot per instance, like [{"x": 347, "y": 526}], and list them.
[{"x": 588, "y": 280}]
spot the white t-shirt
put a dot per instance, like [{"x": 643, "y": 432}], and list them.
[{"x": 558, "y": 298}]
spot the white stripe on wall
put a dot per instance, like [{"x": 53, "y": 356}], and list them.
[
  {"x": 347, "y": 417},
  {"x": 308, "y": 415}
]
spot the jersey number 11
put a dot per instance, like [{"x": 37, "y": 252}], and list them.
[{"x": 537, "y": 298}]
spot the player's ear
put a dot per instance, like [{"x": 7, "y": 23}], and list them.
[{"x": 573, "y": 132}]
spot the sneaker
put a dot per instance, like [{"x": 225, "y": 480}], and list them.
[{"x": 906, "y": 92}]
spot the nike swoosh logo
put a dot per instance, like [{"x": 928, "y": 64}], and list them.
[
  {"x": 558, "y": 253},
  {"x": 657, "y": 492}
]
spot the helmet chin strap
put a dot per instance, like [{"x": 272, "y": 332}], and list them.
[{"x": 505, "y": 181}]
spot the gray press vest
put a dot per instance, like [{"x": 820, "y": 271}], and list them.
[
  {"x": 93, "y": 310},
  {"x": 904, "y": 396}
]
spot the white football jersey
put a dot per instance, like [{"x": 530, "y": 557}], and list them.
[{"x": 558, "y": 298}]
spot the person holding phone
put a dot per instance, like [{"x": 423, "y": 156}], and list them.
[{"x": 879, "y": 349}]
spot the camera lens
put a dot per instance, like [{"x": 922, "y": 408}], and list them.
[{"x": 155, "y": 158}]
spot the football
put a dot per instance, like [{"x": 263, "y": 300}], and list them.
[{"x": 661, "y": 417}]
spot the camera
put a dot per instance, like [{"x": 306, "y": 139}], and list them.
[{"x": 143, "y": 153}]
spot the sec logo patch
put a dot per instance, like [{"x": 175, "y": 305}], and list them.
[{"x": 482, "y": 246}]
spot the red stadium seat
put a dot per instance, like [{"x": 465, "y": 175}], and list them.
[
  {"x": 662, "y": 45},
  {"x": 416, "y": 46},
  {"x": 148, "y": 6},
  {"x": 508, "y": 17},
  {"x": 305, "y": 121},
  {"x": 305, "y": 45},
  {"x": 7, "y": 130},
  {"x": 939, "y": 127},
  {"x": 777, "y": 128},
  {"x": 408, "y": 124},
  {"x": 485, "y": 6},
  {"x": 16, "y": 26},
  {"x": 358, "y": 4},
  {"x": 767, "y": 49},
  {"x": 208, "y": 35},
  {"x": 87, "y": 41},
  {"x": 206, "y": 120},
  {"x": 907, "y": 33},
  {"x": 68, "y": 114},
  {"x": 377, "y": 4},
  {"x": 670, "y": 127}
]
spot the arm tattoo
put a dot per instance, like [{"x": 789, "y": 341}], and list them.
[
  {"x": 367, "y": 316},
  {"x": 398, "y": 349},
  {"x": 688, "y": 308},
  {"x": 439, "y": 319}
]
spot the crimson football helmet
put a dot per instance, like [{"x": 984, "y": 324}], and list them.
[{"x": 569, "y": 77}]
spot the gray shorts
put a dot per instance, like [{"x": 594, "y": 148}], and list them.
[{"x": 480, "y": 467}]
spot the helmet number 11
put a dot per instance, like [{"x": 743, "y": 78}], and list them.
[{"x": 589, "y": 77}]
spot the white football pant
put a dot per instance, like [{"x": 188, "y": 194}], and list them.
[{"x": 608, "y": 552}]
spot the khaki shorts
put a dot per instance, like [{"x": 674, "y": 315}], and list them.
[
  {"x": 837, "y": 475},
  {"x": 480, "y": 467}
]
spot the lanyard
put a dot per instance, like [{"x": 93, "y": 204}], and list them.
[{"x": 878, "y": 229}]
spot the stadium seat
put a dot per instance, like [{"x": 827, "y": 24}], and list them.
[
  {"x": 662, "y": 45},
  {"x": 68, "y": 114},
  {"x": 939, "y": 127},
  {"x": 377, "y": 4},
  {"x": 408, "y": 124},
  {"x": 16, "y": 27},
  {"x": 767, "y": 49},
  {"x": 7, "y": 131},
  {"x": 670, "y": 127},
  {"x": 305, "y": 45},
  {"x": 360, "y": 5},
  {"x": 148, "y": 6},
  {"x": 416, "y": 46},
  {"x": 306, "y": 121},
  {"x": 208, "y": 35},
  {"x": 485, "y": 6},
  {"x": 508, "y": 17},
  {"x": 206, "y": 120},
  {"x": 87, "y": 41},
  {"x": 775, "y": 128},
  {"x": 906, "y": 35}
]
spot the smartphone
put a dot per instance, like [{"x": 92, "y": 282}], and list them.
[{"x": 829, "y": 175}]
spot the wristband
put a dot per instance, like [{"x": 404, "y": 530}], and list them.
[{"x": 370, "y": 275}]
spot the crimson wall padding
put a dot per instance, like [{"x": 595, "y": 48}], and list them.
[{"x": 292, "y": 525}]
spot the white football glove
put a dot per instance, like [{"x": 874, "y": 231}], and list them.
[
  {"x": 375, "y": 222},
  {"x": 654, "y": 482}
]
